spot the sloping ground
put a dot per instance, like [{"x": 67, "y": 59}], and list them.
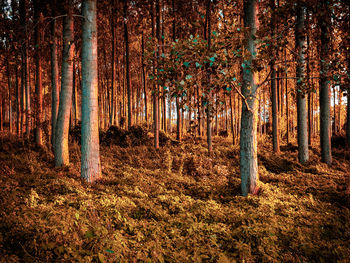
[{"x": 175, "y": 204}]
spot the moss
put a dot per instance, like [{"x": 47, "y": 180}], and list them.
[{"x": 175, "y": 204}]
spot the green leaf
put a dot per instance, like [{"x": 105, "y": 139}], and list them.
[
  {"x": 238, "y": 29},
  {"x": 186, "y": 64},
  {"x": 223, "y": 72},
  {"x": 214, "y": 33},
  {"x": 211, "y": 63},
  {"x": 182, "y": 82},
  {"x": 212, "y": 59},
  {"x": 109, "y": 251},
  {"x": 195, "y": 40},
  {"x": 191, "y": 36},
  {"x": 151, "y": 77},
  {"x": 198, "y": 65},
  {"x": 163, "y": 55},
  {"x": 228, "y": 88},
  {"x": 188, "y": 77},
  {"x": 77, "y": 215}
]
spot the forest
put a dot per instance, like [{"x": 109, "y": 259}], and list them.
[{"x": 174, "y": 131}]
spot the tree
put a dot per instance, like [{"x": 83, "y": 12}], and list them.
[
  {"x": 127, "y": 63},
  {"x": 54, "y": 76},
  {"x": 325, "y": 112},
  {"x": 303, "y": 152},
  {"x": 65, "y": 100},
  {"x": 274, "y": 93},
  {"x": 25, "y": 88},
  {"x": 90, "y": 148},
  {"x": 248, "y": 141},
  {"x": 38, "y": 16}
]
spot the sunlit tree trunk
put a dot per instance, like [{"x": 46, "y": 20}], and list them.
[
  {"x": 65, "y": 100},
  {"x": 25, "y": 101},
  {"x": 127, "y": 64},
  {"x": 232, "y": 120},
  {"x": 144, "y": 79},
  {"x": 38, "y": 16},
  {"x": 112, "y": 100},
  {"x": 90, "y": 148},
  {"x": 9, "y": 93},
  {"x": 209, "y": 97},
  {"x": 54, "y": 78},
  {"x": 325, "y": 111},
  {"x": 303, "y": 153},
  {"x": 18, "y": 105},
  {"x": 248, "y": 139},
  {"x": 1, "y": 115},
  {"x": 274, "y": 93}
]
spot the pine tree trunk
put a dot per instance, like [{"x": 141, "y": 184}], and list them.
[
  {"x": 303, "y": 154},
  {"x": 248, "y": 138},
  {"x": 90, "y": 147},
  {"x": 65, "y": 100}
]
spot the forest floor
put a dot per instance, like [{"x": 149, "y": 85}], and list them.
[{"x": 175, "y": 204}]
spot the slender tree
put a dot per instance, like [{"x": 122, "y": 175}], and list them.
[
  {"x": 303, "y": 153},
  {"x": 54, "y": 76},
  {"x": 274, "y": 93},
  {"x": 65, "y": 100},
  {"x": 248, "y": 139},
  {"x": 325, "y": 111},
  {"x": 127, "y": 63},
  {"x": 90, "y": 148},
  {"x": 38, "y": 16}
]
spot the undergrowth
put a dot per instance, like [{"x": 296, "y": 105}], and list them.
[{"x": 175, "y": 204}]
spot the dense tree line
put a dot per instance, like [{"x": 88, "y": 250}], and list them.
[{"x": 207, "y": 67}]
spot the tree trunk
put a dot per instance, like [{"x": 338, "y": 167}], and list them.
[
  {"x": 112, "y": 100},
  {"x": 325, "y": 127},
  {"x": 18, "y": 105},
  {"x": 65, "y": 100},
  {"x": 90, "y": 147},
  {"x": 144, "y": 79},
  {"x": 9, "y": 94},
  {"x": 38, "y": 16},
  {"x": 248, "y": 138},
  {"x": 303, "y": 154},
  {"x": 232, "y": 119},
  {"x": 54, "y": 79},
  {"x": 127, "y": 65},
  {"x": 25, "y": 101},
  {"x": 178, "y": 119},
  {"x": 348, "y": 119},
  {"x": 274, "y": 90},
  {"x": 209, "y": 107}
]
